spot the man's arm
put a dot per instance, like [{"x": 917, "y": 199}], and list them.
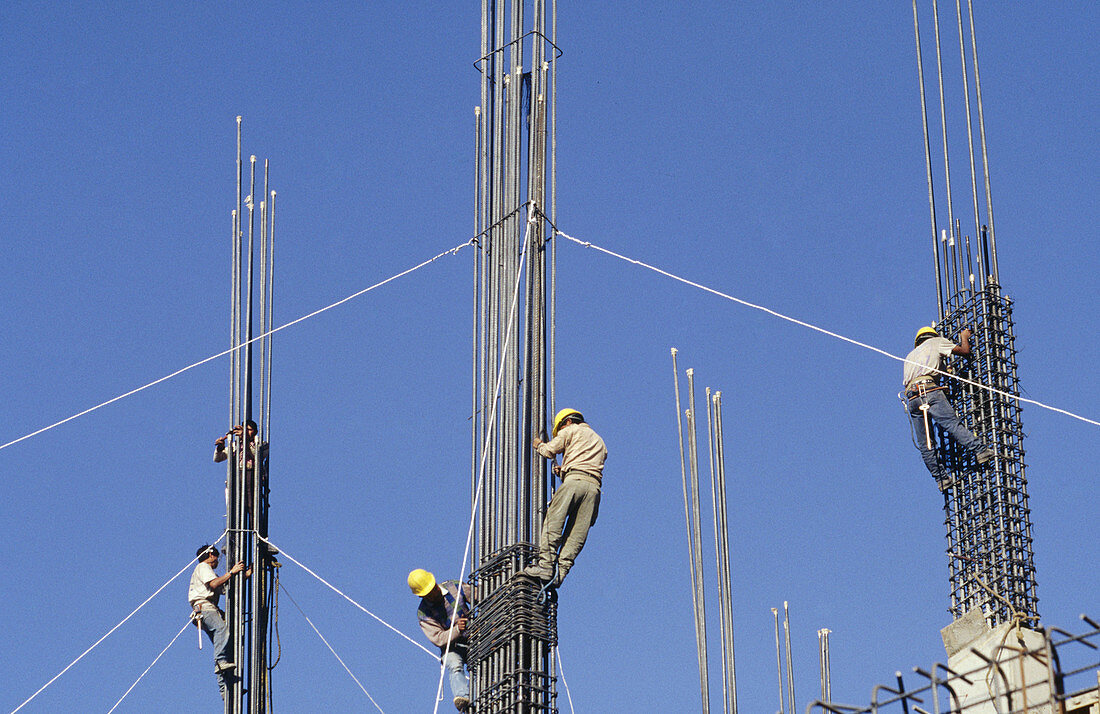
[
  {"x": 963, "y": 348},
  {"x": 439, "y": 636},
  {"x": 552, "y": 448},
  {"x": 219, "y": 582},
  {"x": 219, "y": 450}
]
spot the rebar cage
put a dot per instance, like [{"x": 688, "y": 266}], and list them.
[
  {"x": 989, "y": 542},
  {"x": 512, "y": 636}
]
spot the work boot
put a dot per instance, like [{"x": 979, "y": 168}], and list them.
[
  {"x": 536, "y": 572},
  {"x": 223, "y": 666},
  {"x": 984, "y": 455},
  {"x": 462, "y": 704},
  {"x": 945, "y": 481}
]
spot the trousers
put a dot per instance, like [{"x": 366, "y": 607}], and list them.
[
  {"x": 572, "y": 511},
  {"x": 943, "y": 414}
]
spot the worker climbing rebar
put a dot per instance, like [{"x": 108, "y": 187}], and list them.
[
  {"x": 204, "y": 593},
  {"x": 443, "y": 616},
  {"x": 576, "y": 502},
  {"x": 927, "y": 403}
]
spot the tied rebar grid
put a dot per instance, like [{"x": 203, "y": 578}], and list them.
[
  {"x": 511, "y": 635},
  {"x": 988, "y": 521},
  {"x": 987, "y": 516},
  {"x": 515, "y": 617},
  {"x": 1054, "y": 671}
]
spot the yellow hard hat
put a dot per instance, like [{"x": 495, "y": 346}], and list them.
[
  {"x": 421, "y": 582},
  {"x": 924, "y": 331},
  {"x": 561, "y": 416}
]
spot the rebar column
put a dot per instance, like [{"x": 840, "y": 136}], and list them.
[
  {"x": 988, "y": 521},
  {"x": 248, "y": 598},
  {"x": 514, "y": 628}
]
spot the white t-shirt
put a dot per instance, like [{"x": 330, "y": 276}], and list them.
[
  {"x": 928, "y": 356},
  {"x": 198, "y": 590}
]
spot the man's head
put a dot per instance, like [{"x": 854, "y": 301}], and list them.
[
  {"x": 422, "y": 583},
  {"x": 252, "y": 429},
  {"x": 566, "y": 416},
  {"x": 925, "y": 333},
  {"x": 207, "y": 553}
]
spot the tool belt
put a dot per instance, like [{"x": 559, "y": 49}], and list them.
[
  {"x": 921, "y": 386},
  {"x": 199, "y": 605}
]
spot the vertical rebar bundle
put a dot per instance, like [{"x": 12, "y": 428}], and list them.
[
  {"x": 248, "y": 599},
  {"x": 689, "y": 475},
  {"x": 721, "y": 533},
  {"x": 987, "y": 516},
  {"x": 514, "y": 629},
  {"x": 826, "y": 665}
]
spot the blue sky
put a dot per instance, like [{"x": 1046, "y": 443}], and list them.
[{"x": 769, "y": 150}]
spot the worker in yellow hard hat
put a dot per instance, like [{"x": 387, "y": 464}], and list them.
[
  {"x": 927, "y": 403},
  {"x": 576, "y": 502},
  {"x": 443, "y": 615}
]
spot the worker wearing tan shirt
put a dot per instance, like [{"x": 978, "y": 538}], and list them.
[{"x": 576, "y": 502}]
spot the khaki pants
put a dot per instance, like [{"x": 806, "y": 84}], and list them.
[{"x": 572, "y": 511}]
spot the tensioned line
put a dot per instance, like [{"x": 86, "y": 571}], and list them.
[
  {"x": 155, "y": 660},
  {"x": 330, "y": 649},
  {"x": 336, "y": 590},
  {"x": 822, "y": 330},
  {"x": 109, "y": 632},
  {"x": 450, "y": 251}
]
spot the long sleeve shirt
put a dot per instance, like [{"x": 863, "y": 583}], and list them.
[
  {"x": 583, "y": 449},
  {"x": 438, "y": 619}
]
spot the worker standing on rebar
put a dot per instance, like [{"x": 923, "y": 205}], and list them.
[
  {"x": 204, "y": 593},
  {"x": 576, "y": 502},
  {"x": 245, "y": 461},
  {"x": 443, "y": 615},
  {"x": 927, "y": 402}
]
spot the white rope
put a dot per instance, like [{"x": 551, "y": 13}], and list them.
[
  {"x": 488, "y": 435},
  {"x": 338, "y": 659},
  {"x": 185, "y": 626},
  {"x": 109, "y": 632},
  {"x": 339, "y": 592},
  {"x": 561, "y": 671},
  {"x": 822, "y": 330},
  {"x": 232, "y": 349}
]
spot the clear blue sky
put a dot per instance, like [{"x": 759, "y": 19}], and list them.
[{"x": 769, "y": 150}]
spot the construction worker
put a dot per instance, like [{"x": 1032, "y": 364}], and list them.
[
  {"x": 927, "y": 402},
  {"x": 256, "y": 452},
  {"x": 576, "y": 502},
  {"x": 443, "y": 615},
  {"x": 203, "y": 594}
]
